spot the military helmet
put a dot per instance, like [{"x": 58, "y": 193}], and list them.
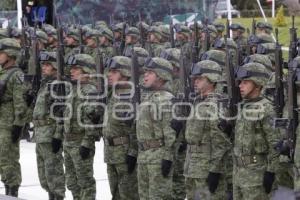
[
  {"x": 42, "y": 36},
  {"x": 182, "y": 29},
  {"x": 85, "y": 61},
  {"x": 11, "y": 47},
  {"x": 255, "y": 72},
  {"x": 165, "y": 32},
  {"x": 49, "y": 30},
  {"x": 133, "y": 31},
  {"x": 48, "y": 57},
  {"x": 207, "y": 68},
  {"x": 212, "y": 31},
  {"x": 144, "y": 26},
  {"x": 107, "y": 33},
  {"x": 72, "y": 32},
  {"x": 237, "y": 26},
  {"x": 121, "y": 64},
  {"x": 15, "y": 32},
  {"x": 219, "y": 26},
  {"x": 158, "y": 23},
  {"x": 172, "y": 55},
  {"x": 258, "y": 58},
  {"x": 267, "y": 49},
  {"x": 260, "y": 39},
  {"x": 92, "y": 33},
  {"x": 118, "y": 27},
  {"x": 100, "y": 24},
  {"x": 265, "y": 25},
  {"x": 161, "y": 67},
  {"x": 217, "y": 56},
  {"x": 141, "y": 53},
  {"x": 220, "y": 43},
  {"x": 156, "y": 31}
]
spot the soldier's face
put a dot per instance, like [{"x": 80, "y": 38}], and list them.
[
  {"x": 201, "y": 84},
  {"x": 113, "y": 77},
  {"x": 48, "y": 69},
  {"x": 90, "y": 42},
  {"x": 3, "y": 58},
  {"x": 150, "y": 79},
  {"x": 249, "y": 89},
  {"x": 153, "y": 38},
  {"x": 69, "y": 40},
  {"x": 235, "y": 34},
  {"x": 76, "y": 73},
  {"x": 117, "y": 35},
  {"x": 102, "y": 40}
]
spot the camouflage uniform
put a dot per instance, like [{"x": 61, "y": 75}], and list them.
[
  {"x": 120, "y": 141},
  {"x": 134, "y": 32},
  {"x": 13, "y": 110},
  {"x": 155, "y": 48},
  {"x": 50, "y": 164},
  {"x": 155, "y": 138},
  {"x": 207, "y": 144},
  {"x": 173, "y": 56},
  {"x": 184, "y": 45},
  {"x": 107, "y": 50},
  {"x": 80, "y": 133},
  {"x": 255, "y": 158}
]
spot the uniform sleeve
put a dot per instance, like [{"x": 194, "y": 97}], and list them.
[
  {"x": 19, "y": 104},
  {"x": 220, "y": 144},
  {"x": 169, "y": 134},
  {"x": 272, "y": 137},
  {"x": 133, "y": 146}
]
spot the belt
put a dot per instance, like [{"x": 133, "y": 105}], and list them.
[
  {"x": 199, "y": 148},
  {"x": 150, "y": 144},
  {"x": 250, "y": 159},
  {"x": 116, "y": 141},
  {"x": 72, "y": 137},
  {"x": 42, "y": 122}
]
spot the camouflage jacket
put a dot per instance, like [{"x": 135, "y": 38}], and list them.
[
  {"x": 116, "y": 128},
  {"x": 44, "y": 125},
  {"x": 153, "y": 124},
  {"x": 207, "y": 144},
  {"x": 255, "y": 136},
  {"x": 78, "y": 127},
  {"x": 155, "y": 49},
  {"x": 13, "y": 107}
]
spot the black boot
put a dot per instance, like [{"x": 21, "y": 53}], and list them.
[
  {"x": 6, "y": 190},
  {"x": 14, "y": 191},
  {"x": 51, "y": 196}
]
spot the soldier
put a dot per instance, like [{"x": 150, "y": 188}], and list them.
[
  {"x": 212, "y": 31},
  {"x": 165, "y": 33},
  {"x": 156, "y": 139},
  {"x": 48, "y": 150},
  {"x": 118, "y": 37},
  {"x": 264, "y": 27},
  {"x": 220, "y": 27},
  {"x": 255, "y": 40},
  {"x": 155, "y": 46},
  {"x": 255, "y": 158},
  {"x": 132, "y": 38},
  {"x": 12, "y": 119},
  {"x": 79, "y": 131},
  {"x": 52, "y": 36},
  {"x": 183, "y": 34},
  {"x": 71, "y": 41},
  {"x": 90, "y": 39},
  {"x": 105, "y": 42},
  {"x": 173, "y": 56},
  {"x": 120, "y": 145},
  {"x": 238, "y": 35},
  {"x": 207, "y": 144}
]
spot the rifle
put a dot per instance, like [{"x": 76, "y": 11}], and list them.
[
  {"x": 24, "y": 45},
  {"x": 81, "y": 45},
  {"x": 99, "y": 69},
  {"x": 253, "y": 30},
  {"x": 196, "y": 49},
  {"x": 293, "y": 40},
  {"x": 232, "y": 90},
  {"x": 172, "y": 40},
  {"x": 135, "y": 71},
  {"x": 279, "y": 89},
  {"x": 142, "y": 32},
  {"x": 123, "y": 41},
  {"x": 207, "y": 36},
  {"x": 227, "y": 28}
]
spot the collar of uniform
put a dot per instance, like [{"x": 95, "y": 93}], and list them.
[{"x": 253, "y": 100}]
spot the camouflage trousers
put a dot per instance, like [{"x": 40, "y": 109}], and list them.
[
  {"x": 10, "y": 168},
  {"x": 79, "y": 174},
  {"x": 178, "y": 178},
  {"x": 50, "y": 169},
  {"x": 152, "y": 185},
  {"x": 123, "y": 186},
  {"x": 248, "y": 183},
  {"x": 197, "y": 189}
]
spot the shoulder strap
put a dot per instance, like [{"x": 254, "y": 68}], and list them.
[{"x": 10, "y": 73}]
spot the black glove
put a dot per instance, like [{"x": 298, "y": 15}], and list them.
[
  {"x": 84, "y": 152},
  {"x": 131, "y": 162},
  {"x": 166, "y": 167},
  {"x": 16, "y": 133},
  {"x": 177, "y": 126},
  {"x": 213, "y": 181},
  {"x": 56, "y": 145},
  {"x": 269, "y": 178}
]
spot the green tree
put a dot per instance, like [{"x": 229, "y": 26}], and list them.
[{"x": 280, "y": 19}]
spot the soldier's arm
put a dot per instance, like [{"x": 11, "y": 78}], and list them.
[
  {"x": 19, "y": 104},
  {"x": 169, "y": 134},
  {"x": 272, "y": 137},
  {"x": 220, "y": 144}
]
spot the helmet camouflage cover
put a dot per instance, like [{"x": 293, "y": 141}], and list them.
[
  {"x": 11, "y": 47},
  {"x": 161, "y": 67},
  {"x": 84, "y": 61},
  {"x": 121, "y": 64},
  {"x": 48, "y": 57},
  {"x": 172, "y": 55},
  {"x": 208, "y": 69}
]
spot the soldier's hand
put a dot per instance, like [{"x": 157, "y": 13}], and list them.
[
  {"x": 166, "y": 167},
  {"x": 225, "y": 127},
  {"x": 269, "y": 178},
  {"x": 131, "y": 162},
  {"x": 56, "y": 145},
  {"x": 84, "y": 152},
  {"x": 16, "y": 133},
  {"x": 177, "y": 126},
  {"x": 213, "y": 181}
]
